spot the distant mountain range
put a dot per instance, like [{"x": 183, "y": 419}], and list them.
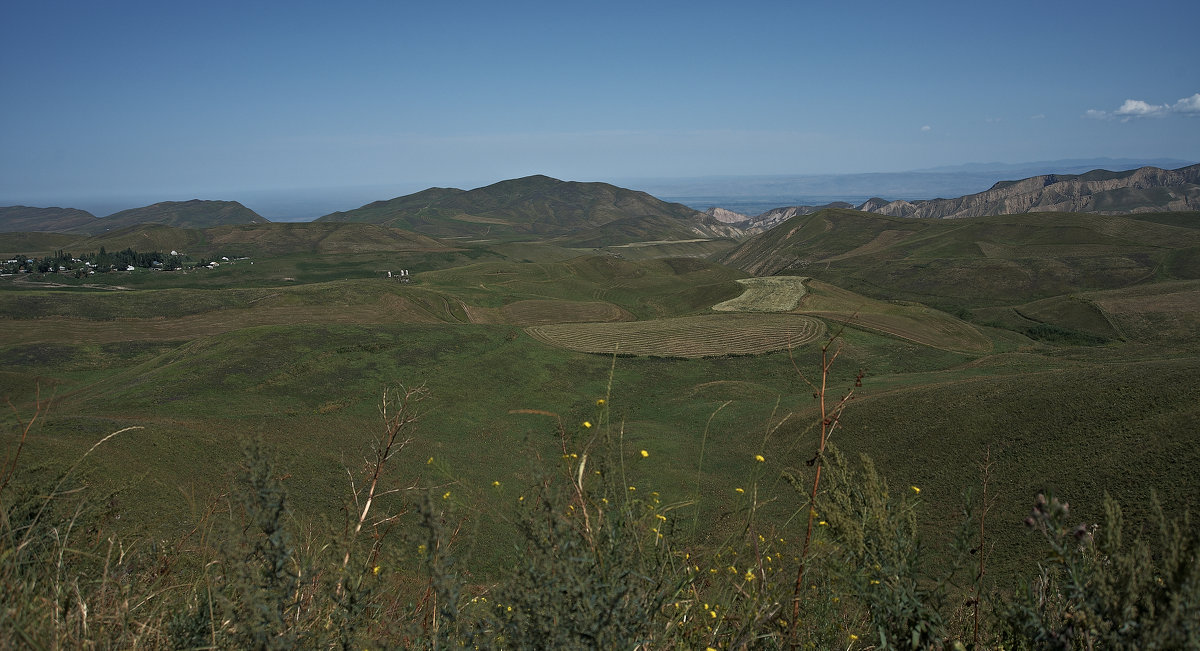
[
  {"x": 1147, "y": 189},
  {"x": 739, "y": 192},
  {"x": 599, "y": 214}
]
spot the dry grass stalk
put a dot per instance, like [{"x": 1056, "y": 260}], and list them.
[
  {"x": 830, "y": 417},
  {"x": 398, "y": 410}
]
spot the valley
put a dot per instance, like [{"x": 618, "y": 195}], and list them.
[{"x": 1065, "y": 345}]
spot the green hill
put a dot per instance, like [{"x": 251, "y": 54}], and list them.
[
  {"x": 44, "y": 220},
  {"x": 196, "y": 213},
  {"x": 583, "y": 214}
]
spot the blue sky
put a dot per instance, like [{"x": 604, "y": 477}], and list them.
[{"x": 198, "y": 99}]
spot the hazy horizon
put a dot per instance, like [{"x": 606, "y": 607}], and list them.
[{"x": 740, "y": 193}]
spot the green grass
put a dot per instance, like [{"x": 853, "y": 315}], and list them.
[{"x": 205, "y": 360}]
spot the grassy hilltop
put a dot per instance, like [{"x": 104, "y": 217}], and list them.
[
  {"x": 581, "y": 214},
  {"x": 1066, "y": 344}
]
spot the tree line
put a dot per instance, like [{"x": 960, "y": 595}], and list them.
[{"x": 100, "y": 262}]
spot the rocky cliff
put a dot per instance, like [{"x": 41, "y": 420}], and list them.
[{"x": 1147, "y": 189}]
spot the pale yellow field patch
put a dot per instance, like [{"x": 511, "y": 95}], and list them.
[{"x": 769, "y": 294}]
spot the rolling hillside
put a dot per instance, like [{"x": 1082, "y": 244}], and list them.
[
  {"x": 582, "y": 214},
  {"x": 272, "y": 239},
  {"x": 975, "y": 262}
]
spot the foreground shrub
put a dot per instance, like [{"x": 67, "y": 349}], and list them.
[{"x": 1095, "y": 590}]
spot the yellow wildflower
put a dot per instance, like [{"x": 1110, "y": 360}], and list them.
[
  {"x": 915, "y": 489},
  {"x": 587, "y": 424},
  {"x": 375, "y": 570},
  {"x": 495, "y": 483},
  {"x": 645, "y": 454},
  {"x": 749, "y": 575},
  {"x": 740, "y": 490},
  {"x": 853, "y": 637},
  {"x": 759, "y": 458},
  {"x": 446, "y": 495},
  {"x": 600, "y": 402}
]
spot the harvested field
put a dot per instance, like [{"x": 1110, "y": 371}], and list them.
[
  {"x": 693, "y": 336},
  {"x": 930, "y": 328},
  {"x": 770, "y": 294},
  {"x": 909, "y": 321}
]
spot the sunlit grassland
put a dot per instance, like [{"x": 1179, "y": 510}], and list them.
[{"x": 207, "y": 359}]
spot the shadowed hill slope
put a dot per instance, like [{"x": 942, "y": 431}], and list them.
[{"x": 978, "y": 261}]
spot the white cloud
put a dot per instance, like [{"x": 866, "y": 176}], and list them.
[
  {"x": 1136, "y": 108},
  {"x": 927, "y": 128},
  {"x": 1039, "y": 116},
  {"x": 1188, "y": 105}
]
